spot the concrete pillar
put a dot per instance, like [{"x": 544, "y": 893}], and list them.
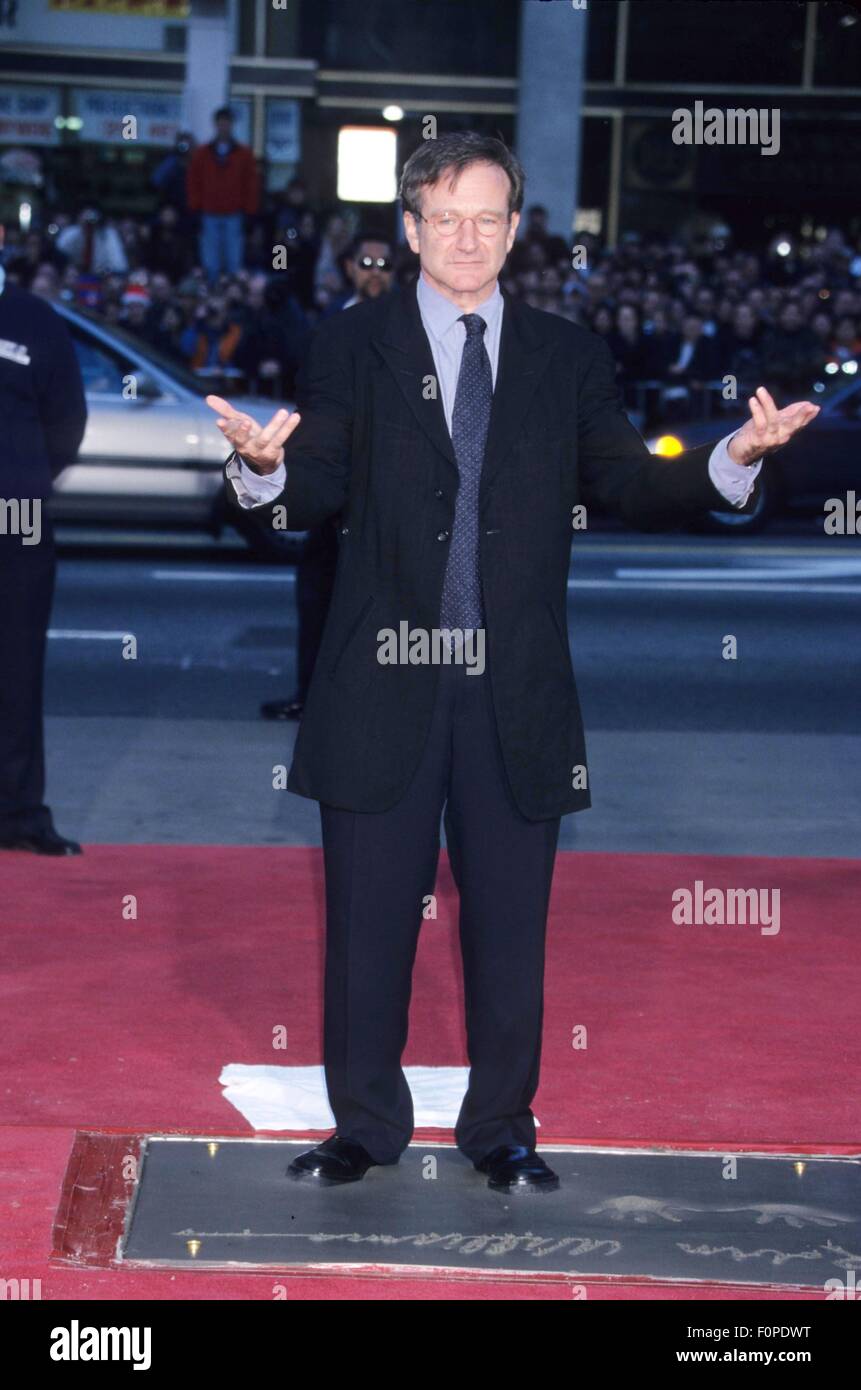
[
  {"x": 551, "y": 71},
  {"x": 207, "y": 64}
]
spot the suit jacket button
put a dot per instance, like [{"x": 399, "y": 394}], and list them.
[
  {"x": 442, "y": 535},
  {"x": 345, "y": 530},
  {"x": 438, "y": 492}
]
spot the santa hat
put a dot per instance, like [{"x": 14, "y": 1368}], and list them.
[{"x": 136, "y": 294}]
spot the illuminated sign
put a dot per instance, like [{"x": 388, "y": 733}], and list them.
[{"x": 148, "y": 9}]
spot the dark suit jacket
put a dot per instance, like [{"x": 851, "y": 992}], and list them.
[
  {"x": 371, "y": 448},
  {"x": 43, "y": 408}
]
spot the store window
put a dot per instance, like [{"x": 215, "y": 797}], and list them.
[
  {"x": 756, "y": 42},
  {"x": 601, "y": 40},
  {"x": 428, "y": 36},
  {"x": 838, "y": 46}
]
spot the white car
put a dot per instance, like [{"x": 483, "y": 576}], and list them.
[{"x": 152, "y": 451}]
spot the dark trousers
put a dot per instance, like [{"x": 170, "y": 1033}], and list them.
[
  {"x": 27, "y": 584},
  {"x": 379, "y": 868}
]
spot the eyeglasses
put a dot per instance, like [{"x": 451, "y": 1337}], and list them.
[
  {"x": 449, "y": 223},
  {"x": 374, "y": 263}
]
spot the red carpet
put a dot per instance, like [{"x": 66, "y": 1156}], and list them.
[{"x": 713, "y": 1035}]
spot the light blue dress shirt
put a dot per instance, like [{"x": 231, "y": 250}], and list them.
[{"x": 447, "y": 335}]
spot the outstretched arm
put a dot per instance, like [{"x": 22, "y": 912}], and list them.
[
  {"x": 618, "y": 475},
  {"x": 317, "y": 455}
]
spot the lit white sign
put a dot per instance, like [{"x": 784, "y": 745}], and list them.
[{"x": 366, "y": 164}]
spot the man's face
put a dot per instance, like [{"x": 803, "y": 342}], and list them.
[
  {"x": 844, "y": 303},
  {"x": 44, "y": 282},
  {"x": 845, "y": 331},
  {"x": 224, "y": 127},
  {"x": 371, "y": 271},
  {"x": 743, "y": 320},
  {"x": 468, "y": 262}
]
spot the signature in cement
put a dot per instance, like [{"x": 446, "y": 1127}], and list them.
[{"x": 492, "y": 1244}]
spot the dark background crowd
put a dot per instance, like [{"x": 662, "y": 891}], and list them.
[{"x": 678, "y": 316}]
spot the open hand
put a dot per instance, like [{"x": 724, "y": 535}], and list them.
[
  {"x": 768, "y": 428},
  {"x": 261, "y": 446}
]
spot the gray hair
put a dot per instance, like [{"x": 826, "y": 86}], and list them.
[{"x": 451, "y": 154}]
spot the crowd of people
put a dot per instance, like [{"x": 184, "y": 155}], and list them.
[
  {"x": 234, "y": 287},
  {"x": 680, "y": 318}
]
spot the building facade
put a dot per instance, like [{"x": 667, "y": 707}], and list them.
[{"x": 604, "y": 77}]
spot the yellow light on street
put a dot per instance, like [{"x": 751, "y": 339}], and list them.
[{"x": 668, "y": 446}]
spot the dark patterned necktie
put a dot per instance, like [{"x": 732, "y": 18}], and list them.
[{"x": 461, "y": 591}]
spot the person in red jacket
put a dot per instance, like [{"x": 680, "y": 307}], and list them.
[{"x": 222, "y": 186}]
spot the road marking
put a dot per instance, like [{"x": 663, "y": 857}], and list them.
[
  {"x": 220, "y": 577},
  {"x": 749, "y": 581},
  {"x": 760, "y": 552},
  {"x": 69, "y": 634},
  {"x": 714, "y": 587},
  {"x": 813, "y": 570}
]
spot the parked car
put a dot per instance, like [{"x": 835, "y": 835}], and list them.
[
  {"x": 822, "y": 461},
  {"x": 152, "y": 452}
]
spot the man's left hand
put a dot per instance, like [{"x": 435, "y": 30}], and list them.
[{"x": 768, "y": 428}]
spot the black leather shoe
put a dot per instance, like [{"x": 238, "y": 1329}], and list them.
[
  {"x": 514, "y": 1168},
  {"x": 282, "y": 709},
  {"x": 41, "y": 842},
  {"x": 336, "y": 1160}
]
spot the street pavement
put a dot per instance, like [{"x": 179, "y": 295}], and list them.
[{"x": 688, "y": 752}]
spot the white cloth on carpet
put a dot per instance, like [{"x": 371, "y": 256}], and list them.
[{"x": 275, "y": 1098}]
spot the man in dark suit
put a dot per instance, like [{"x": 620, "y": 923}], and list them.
[
  {"x": 454, "y": 430},
  {"x": 44, "y": 414}
]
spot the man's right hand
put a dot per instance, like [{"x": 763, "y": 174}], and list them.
[{"x": 261, "y": 446}]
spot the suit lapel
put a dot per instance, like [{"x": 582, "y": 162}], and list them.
[
  {"x": 523, "y": 355},
  {"x": 404, "y": 345}
]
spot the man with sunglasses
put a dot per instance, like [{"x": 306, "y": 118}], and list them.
[
  {"x": 455, "y": 429},
  {"x": 369, "y": 268}
]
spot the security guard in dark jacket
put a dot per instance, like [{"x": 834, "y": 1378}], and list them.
[{"x": 43, "y": 414}]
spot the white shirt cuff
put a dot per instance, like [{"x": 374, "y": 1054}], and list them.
[
  {"x": 254, "y": 489},
  {"x": 734, "y": 481}
]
